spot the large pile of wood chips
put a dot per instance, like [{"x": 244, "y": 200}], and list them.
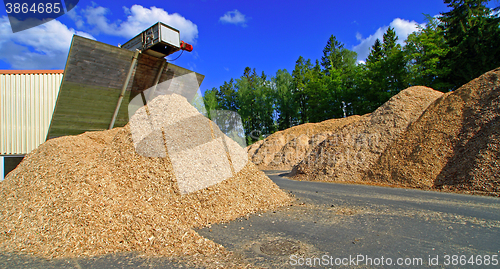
[
  {"x": 284, "y": 149},
  {"x": 348, "y": 154},
  {"x": 93, "y": 194},
  {"x": 454, "y": 145}
]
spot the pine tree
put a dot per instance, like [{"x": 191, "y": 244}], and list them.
[
  {"x": 227, "y": 98},
  {"x": 387, "y": 71},
  {"x": 210, "y": 100},
  {"x": 318, "y": 95},
  {"x": 394, "y": 65},
  {"x": 424, "y": 50},
  {"x": 472, "y": 32},
  {"x": 375, "y": 52},
  {"x": 286, "y": 108},
  {"x": 389, "y": 42},
  {"x": 300, "y": 97},
  {"x": 332, "y": 56}
]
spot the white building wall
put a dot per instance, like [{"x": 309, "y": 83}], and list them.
[{"x": 27, "y": 101}]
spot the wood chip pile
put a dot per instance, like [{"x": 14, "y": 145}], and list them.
[
  {"x": 284, "y": 149},
  {"x": 454, "y": 145},
  {"x": 93, "y": 194},
  {"x": 200, "y": 154},
  {"x": 347, "y": 155}
]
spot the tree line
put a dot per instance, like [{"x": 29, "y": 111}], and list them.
[{"x": 449, "y": 51}]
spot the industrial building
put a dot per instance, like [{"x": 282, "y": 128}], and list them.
[
  {"x": 99, "y": 82},
  {"x": 27, "y": 101}
]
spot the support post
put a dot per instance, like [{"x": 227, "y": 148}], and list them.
[
  {"x": 124, "y": 88},
  {"x": 157, "y": 79}
]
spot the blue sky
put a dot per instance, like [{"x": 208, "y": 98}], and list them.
[{"x": 227, "y": 35}]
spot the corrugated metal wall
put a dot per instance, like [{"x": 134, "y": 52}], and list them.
[{"x": 27, "y": 100}]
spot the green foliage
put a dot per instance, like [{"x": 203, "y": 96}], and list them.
[
  {"x": 472, "y": 34},
  {"x": 375, "y": 53},
  {"x": 362, "y": 95},
  {"x": 389, "y": 42},
  {"x": 302, "y": 68},
  {"x": 286, "y": 107},
  {"x": 332, "y": 54},
  {"x": 256, "y": 98},
  {"x": 424, "y": 50},
  {"x": 446, "y": 53},
  {"x": 227, "y": 98},
  {"x": 211, "y": 101},
  {"x": 338, "y": 82},
  {"x": 317, "y": 95},
  {"x": 386, "y": 70}
]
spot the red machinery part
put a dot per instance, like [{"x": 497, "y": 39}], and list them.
[{"x": 186, "y": 46}]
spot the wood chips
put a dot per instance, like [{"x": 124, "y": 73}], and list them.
[
  {"x": 347, "y": 154},
  {"x": 453, "y": 146},
  {"x": 93, "y": 194},
  {"x": 284, "y": 149}
]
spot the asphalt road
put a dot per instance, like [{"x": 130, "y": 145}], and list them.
[
  {"x": 341, "y": 226},
  {"x": 408, "y": 228}
]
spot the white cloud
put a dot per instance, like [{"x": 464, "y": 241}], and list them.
[
  {"x": 363, "y": 48},
  {"x": 234, "y": 17},
  {"x": 359, "y": 37},
  {"x": 139, "y": 18},
  {"x": 73, "y": 14},
  {"x": 43, "y": 47},
  {"x": 402, "y": 28}
]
